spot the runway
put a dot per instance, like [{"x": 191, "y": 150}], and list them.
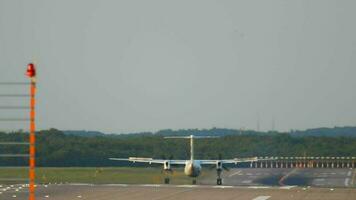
[
  {"x": 181, "y": 192},
  {"x": 244, "y": 184},
  {"x": 296, "y": 176}
]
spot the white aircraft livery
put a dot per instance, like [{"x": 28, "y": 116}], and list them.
[{"x": 192, "y": 167}]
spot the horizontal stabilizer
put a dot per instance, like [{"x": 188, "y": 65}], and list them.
[
  {"x": 189, "y": 137},
  {"x": 132, "y": 159}
]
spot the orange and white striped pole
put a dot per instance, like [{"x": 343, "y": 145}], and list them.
[{"x": 31, "y": 73}]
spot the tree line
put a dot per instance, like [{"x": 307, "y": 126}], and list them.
[{"x": 57, "y": 149}]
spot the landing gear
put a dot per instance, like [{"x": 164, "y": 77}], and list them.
[
  {"x": 168, "y": 173},
  {"x": 194, "y": 182},
  {"x": 218, "y": 181}
]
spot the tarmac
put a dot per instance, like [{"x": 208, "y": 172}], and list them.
[
  {"x": 242, "y": 184},
  {"x": 321, "y": 177}
]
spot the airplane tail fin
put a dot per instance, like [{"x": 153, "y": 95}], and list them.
[{"x": 191, "y": 137}]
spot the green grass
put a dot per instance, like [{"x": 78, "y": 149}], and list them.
[{"x": 106, "y": 175}]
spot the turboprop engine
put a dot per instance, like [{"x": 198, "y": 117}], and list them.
[
  {"x": 167, "y": 166},
  {"x": 219, "y": 166}
]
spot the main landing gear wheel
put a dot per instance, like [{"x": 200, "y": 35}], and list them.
[
  {"x": 194, "y": 182},
  {"x": 219, "y": 181},
  {"x": 166, "y": 180}
]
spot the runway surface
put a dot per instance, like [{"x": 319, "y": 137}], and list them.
[
  {"x": 296, "y": 176},
  {"x": 182, "y": 192},
  {"x": 244, "y": 184}
]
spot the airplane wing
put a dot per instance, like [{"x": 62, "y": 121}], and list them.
[
  {"x": 235, "y": 161},
  {"x": 150, "y": 160}
]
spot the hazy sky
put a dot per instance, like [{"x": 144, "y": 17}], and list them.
[{"x": 123, "y": 66}]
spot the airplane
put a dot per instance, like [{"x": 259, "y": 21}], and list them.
[{"x": 192, "y": 166}]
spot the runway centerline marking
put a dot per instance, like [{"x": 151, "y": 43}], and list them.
[
  {"x": 262, "y": 198},
  {"x": 151, "y": 185},
  {"x": 287, "y": 187},
  {"x": 121, "y": 185},
  {"x": 187, "y": 186},
  {"x": 236, "y": 173},
  {"x": 259, "y": 187},
  {"x": 223, "y": 187}
]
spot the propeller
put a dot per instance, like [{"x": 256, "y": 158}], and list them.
[
  {"x": 163, "y": 158},
  {"x": 163, "y": 171}
]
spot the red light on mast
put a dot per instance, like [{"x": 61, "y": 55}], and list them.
[
  {"x": 31, "y": 70},
  {"x": 31, "y": 73}
]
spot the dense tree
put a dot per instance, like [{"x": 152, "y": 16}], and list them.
[{"x": 54, "y": 148}]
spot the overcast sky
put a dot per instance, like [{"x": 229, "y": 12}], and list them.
[{"x": 129, "y": 66}]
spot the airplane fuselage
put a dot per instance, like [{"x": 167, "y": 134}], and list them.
[{"x": 192, "y": 168}]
